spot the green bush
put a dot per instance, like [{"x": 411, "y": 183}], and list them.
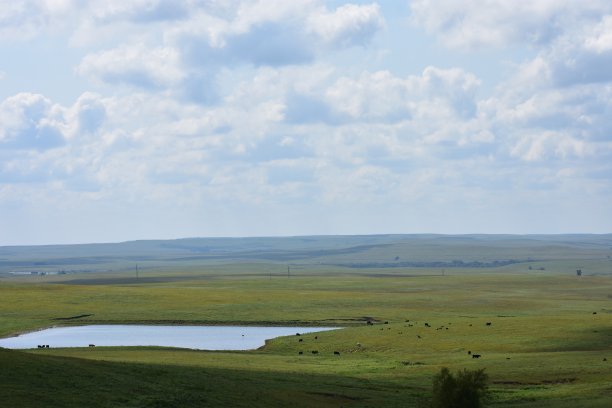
[{"x": 466, "y": 389}]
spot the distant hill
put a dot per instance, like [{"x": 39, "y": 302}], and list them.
[{"x": 350, "y": 251}]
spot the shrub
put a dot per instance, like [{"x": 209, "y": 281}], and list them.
[{"x": 466, "y": 389}]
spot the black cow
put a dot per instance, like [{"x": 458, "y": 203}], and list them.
[
  {"x": 469, "y": 352},
  {"x": 300, "y": 340},
  {"x": 488, "y": 323},
  {"x": 300, "y": 352},
  {"x": 337, "y": 353},
  {"x": 46, "y": 346},
  {"x": 475, "y": 355},
  {"x": 315, "y": 351},
  {"x": 92, "y": 345}
]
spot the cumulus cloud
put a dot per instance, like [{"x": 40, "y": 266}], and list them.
[
  {"x": 30, "y": 121},
  {"x": 25, "y": 19},
  {"x": 275, "y": 33},
  {"x": 134, "y": 65},
  {"x": 473, "y": 23},
  {"x": 239, "y": 107},
  {"x": 139, "y": 11},
  {"x": 85, "y": 116},
  {"x": 382, "y": 96},
  {"x": 348, "y": 25}
]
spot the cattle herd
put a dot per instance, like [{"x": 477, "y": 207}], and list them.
[{"x": 410, "y": 324}]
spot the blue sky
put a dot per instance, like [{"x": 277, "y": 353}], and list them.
[{"x": 140, "y": 119}]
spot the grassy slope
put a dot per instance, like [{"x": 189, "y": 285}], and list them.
[{"x": 554, "y": 342}]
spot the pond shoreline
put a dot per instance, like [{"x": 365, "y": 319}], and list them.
[
  {"x": 177, "y": 322},
  {"x": 198, "y": 337}
]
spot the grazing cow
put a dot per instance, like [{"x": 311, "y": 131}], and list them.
[
  {"x": 39, "y": 346},
  {"x": 92, "y": 345},
  {"x": 300, "y": 352},
  {"x": 300, "y": 340},
  {"x": 488, "y": 323},
  {"x": 297, "y": 334},
  {"x": 475, "y": 355},
  {"x": 418, "y": 336},
  {"x": 369, "y": 323},
  {"x": 386, "y": 323},
  {"x": 427, "y": 324},
  {"x": 316, "y": 337},
  {"x": 469, "y": 352},
  {"x": 46, "y": 346},
  {"x": 605, "y": 359},
  {"x": 337, "y": 353},
  {"x": 594, "y": 312},
  {"x": 315, "y": 351},
  {"x": 507, "y": 358}
]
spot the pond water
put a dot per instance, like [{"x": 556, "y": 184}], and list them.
[{"x": 192, "y": 337}]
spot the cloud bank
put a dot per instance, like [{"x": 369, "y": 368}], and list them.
[{"x": 273, "y": 117}]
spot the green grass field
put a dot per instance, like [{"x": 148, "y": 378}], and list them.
[{"x": 549, "y": 335}]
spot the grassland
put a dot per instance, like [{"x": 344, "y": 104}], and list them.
[{"x": 549, "y": 335}]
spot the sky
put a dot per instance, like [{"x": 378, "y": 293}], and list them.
[{"x": 160, "y": 119}]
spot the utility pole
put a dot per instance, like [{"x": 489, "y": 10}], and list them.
[
  {"x": 136, "y": 271},
  {"x": 288, "y": 272}
]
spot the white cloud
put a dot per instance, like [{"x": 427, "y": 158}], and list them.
[
  {"x": 600, "y": 37},
  {"x": 221, "y": 113},
  {"x": 29, "y": 121},
  {"x": 348, "y": 25},
  {"x": 473, "y": 23},
  {"x": 134, "y": 65},
  {"x": 381, "y": 96},
  {"x": 543, "y": 145},
  {"x": 275, "y": 33}
]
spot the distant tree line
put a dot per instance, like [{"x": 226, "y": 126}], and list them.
[{"x": 431, "y": 264}]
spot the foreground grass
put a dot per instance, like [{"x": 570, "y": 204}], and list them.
[
  {"x": 50, "y": 381},
  {"x": 544, "y": 347}
]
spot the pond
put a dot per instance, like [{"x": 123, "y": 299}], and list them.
[{"x": 192, "y": 337}]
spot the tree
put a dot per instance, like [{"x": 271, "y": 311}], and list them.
[{"x": 466, "y": 389}]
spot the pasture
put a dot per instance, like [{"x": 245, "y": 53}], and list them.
[{"x": 547, "y": 343}]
